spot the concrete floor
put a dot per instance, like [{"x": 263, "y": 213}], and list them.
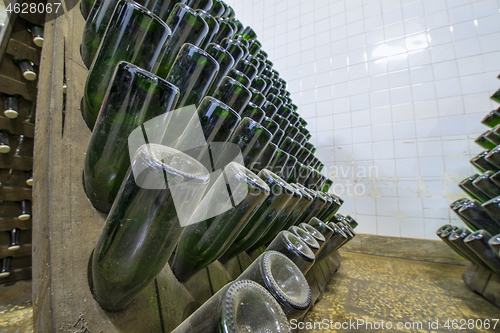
[{"x": 366, "y": 287}]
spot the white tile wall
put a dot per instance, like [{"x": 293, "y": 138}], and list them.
[{"x": 399, "y": 85}]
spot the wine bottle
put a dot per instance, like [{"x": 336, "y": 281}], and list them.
[
  {"x": 300, "y": 173},
  {"x": 282, "y": 122},
  {"x": 492, "y": 119},
  {"x": 495, "y": 178},
  {"x": 253, "y": 49},
  {"x": 315, "y": 234},
  {"x": 278, "y": 161},
  {"x": 293, "y": 118},
  {"x": 496, "y": 96},
  {"x": 95, "y": 27},
  {"x": 334, "y": 208},
  {"x": 204, "y": 242},
  {"x": 269, "y": 109},
  {"x": 263, "y": 54},
  {"x": 445, "y": 232},
  {"x": 494, "y": 242},
  {"x": 283, "y": 279},
  {"x": 259, "y": 84},
  {"x": 338, "y": 239},
  {"x": 484, "y": 142},
  {"x": 327, "y": 186},
  {"x": 36, "y": 33},
  {"x": 306, "y": 237},
  {"x": 247, "y": 68},
  {"x": 306, "y": 132},
  {"x": 477, "y": 216},
  {"x": 239, "y": 77},
  {"x": 29, "y": 178},
  {"x": 492, "y": 207},
  {"x": 270, "y": 125},
  {"x": 217, "y": 8},
  {"x": 85, "y": 7},
  {"x": 239, "y": 25},
  {"x": 213, "y": 27},
  {"x": 467, "y": 187},
  {"x": 264, "y": 158},
  {"x": 478, "y": 243},
  {"x": 322, "y": 227},
  {"x": 291, "y": 131},
  {"x": 253, "y": 112},
  {"x": 187, "y": 27},
  {"x": 492, "y": 136},
  {"x": 456, "y": 239},
  {"x": 225, "y": 61},
  {"x": 193, "y": 72},
  {"x": 241, "y": 304},
  {"x": 305, "y": 201},
  {"x": 319, "y": 201},
  {"x": 24, "y": 210},
  {"x": 294, "y": 249},
  {"x": 26, "y": 67},
  {"x": 11, "y": 105},
  {"x": 257, "y": 98},
  {"x": 313, "y": 181},
  {"x": 5, "y": 267},
  {"x": 289, "y": 167},
  {"x": 226, "y": 31},
  {"x": 135, "y": 97},
  {"x": 134, "y": 35},
  {"x": 256, "y": 62},
  {"x": 14, "y": 244},
  {"x": 278, "y": 136},
  {"x": 274, "y": 100},
  {"x": 303, "y": 155},
  {"x": 144, "y": 224},
  {"x": 485, "y": 185},
  {"x": 493, "y": 157},
  {"x": 233, "y": 93},
  {"x": 347, "y": 230},
  {"x": 482, "y": 164},
  {"x": 229, "y": 12},
  {"x": 455, "y": 207},
  {"x": 249, "y": 33},
  {"x": 200, "y": 4},
  {"x": 279, "y": 195}
]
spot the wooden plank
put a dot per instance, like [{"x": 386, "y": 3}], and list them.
[
  {"x": 218, "y": 276},
  {"x": 16, "y": 178},
  {"x": 15, "y": 126},
  {"x": 245, "y": 261},
  {"x": 14, "y": 193},
  {"x": 18, "y": 275},
  {"x": 16, "y": 162},
  {"x": 24, "y": 250},
  {"x": 199, "y": 286},
  {"x": 233, "y": 268},
  {"x": 7, "y": 224}
]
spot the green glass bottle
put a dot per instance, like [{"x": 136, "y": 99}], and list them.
[
  {"x": 259, "y": 84},
  {"x": 493, "y": 157},
  {"x": 229, "y": 12},
  {"x": 279, "y": 195},
  {"x": 217, "y": 8},
  {"x": 5, "y": 267},
  {"x": 455, "y": 207},
  {"x": 85, "y": 7},
  {"x": 135, "y": 96},
  {"x": 193, "y": 72},
  {"x": 292, "y": 131},
  {"x": 492, "y": 207},
  {"x": 274, "y": 100},
  {"x": 239, "y": 25},
  {"x": 252, "y": 138},
  {"x": 200, "y": 4},
  {"x": 239, "y": 77},
  {"x": 492, "y": 119},
  {"x": 239, "y": 306},
  {"x": 257, "y": 98},
  {"x": 187, "y": 27},
  {"x": 327, "y": 186},
  {"x": 11, "y": 105},
  {"x": 313, "y": 180},
  {"x": 143, "y": 226},
  {"x": 270, "y": 125},
  {"x": 225, "y": 61},
  {"x": 162, "y": 8},
  {"x": 278, "y": 136},
  {"x": 213, "y": 28},
  {"x": 295, "y": 249},
  {"x": 496, "y": 96},
  {"x": 285, "y": 112},
  {"x": 263, "y": 54},
  {"x": 278, "y": 161},
  {"x": 273, "y": 90},
  {"x": 322, "y": 227},
  {"x": 318, "y": 237},
  {"x": 269, "y": 109},
  {"x": 492, "y": 137},
  {"x": 294, "y": 119},
  {"x": 478, "y": 217},
  {"x": 312, "y": 210},
  {"x": 484, "y": 142},
  {"x": 234, "y": 49},
  {"x": 253, "y": 112},
  {"x": 247, "y": 68},
  {"x": 225, "y": 32},
  {"x": 290, "y": 146},
  {"x": 233, "y": 93},
  {"x": 303, "y": 154},
  {"x": 309, "y": 146},
  {"x": 467, "y": 187},
  {"x": 456, "y": 239},
  {"x": 253, "y": 49},
  {"x": 265, "y": 158},
  {"x": 303, "y": 204},
  {"x": 143, "y": 45},
  {"x": 249, "y": 33},
  {"x": 4, "y": 142},
  {"x": 478, "y": 243},
  {"x": 495, "y": 178},
  {"x": 282, "y": 122},
  {"x": 485, "y": 185},
  {"x": 300, "y": 138},
  {"x": 205, "y": 242},
  {"x": 95, "y": 27},
  {"x": 27, "y": 68},
  {"x": 338, "y": 239},
  {"x": 306, "y": 237}
]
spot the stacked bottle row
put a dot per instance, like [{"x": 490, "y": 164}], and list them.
[{"x": 481, "y": 213}]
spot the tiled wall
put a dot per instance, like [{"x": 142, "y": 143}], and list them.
[{"x": 393, "y": 91}]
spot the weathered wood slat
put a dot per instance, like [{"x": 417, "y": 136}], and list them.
[
  {"x": 11, "y": 193},
  {"x": 7, "y": 224}
]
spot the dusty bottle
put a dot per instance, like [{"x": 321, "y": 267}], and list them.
[
  {"x": 283, "y": 279},
  {"x": 289, "y": 167},
  {"x": 145, "y": 223},
  {"x": 11, "y": 105},
  {"x": 143, "y": 46},
  {"x": 322, "y": 227},
  {"x": 278, "y": 161},
  {"x": 239, "y": 306},
  {"x": 312, "y": 210},
  {"x": 493, "y": 157},
  {"x": 27, "y": 68},
  {"x": 5, "y": 267},
  {"x": 478, "y": 243},
  {"x": 482, "y": 164},
  {"x": 456, "y": 238},
  {"x": 264, "y": 158},
  {"x": 467, "y": 187},
  {"x": 221, "y": 221},
  {"x": 483, "y": 141},
  {"x": 485, "y": 185},
  {"x": 85, "y": 7},
  {"x": 492, "y": 119},
  {"x": 233, "y": 93},
  {"x": 444, "y": 232},
  {"x": 492, "y": 207},
  {"x": 14, "y": 244},
  {"x": 135, "y": 97},
  {"x": 315, "y": 234},
  {"x": 305, "y": 201},
  {"x": 338, "y": 239},
  {"x": 494, "y": 242},
  {"x": 306, "y": 237},
  {"x": 279, "y": 196},
  {"x": 478, "y": 217},
  {"x": 295, "y": 249},
  {"x": 24, "y": 210}
]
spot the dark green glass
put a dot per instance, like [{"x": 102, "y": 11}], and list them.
[
  {"x": 322, "y": 181},
  {"x": 306, "y": 237},
  {"x": 303, "y": 204},
  {"x": 494, "y": 242},
  {"x": 225, "y": 32},
  {"x": 444, "y": 232},
  {"x": 270, "y": 125},
  {"x": 162, "y": 8},
  {"x": 279, "y": 196},
  {"x": 477, "y": 216},
  {"x": 257, "y": 98},
  {"x": 239, "y": 77},
  {"x": 496, "y": 178},
  {"x": 238, "y": 24},
  {"x": 241, "y": 305},
  {"x": 300, "y": 138},
  {"x": 193, "y": 71},
  {"x": 243, "y": 47},
  {"x": 263, "y": 54},
  {"x": 282, "y": 122},
  {"x": 233, "y": 93},
  {"x": 492, "y": 137},
  {"x": 249, "y": 33},
  {"x": 264, "y": 158},
  {"x": 330, "y": 202},
  {"x": 199, "y": 4},
  {"x": 467, "y": 187},
  {"x": 252, "y": 138},
  {"x": 478, "y": 243},
  {"x": 253, "y": 112},
  {"x": 484, "y": 142},
  {"x": 492, "y": 119},
  {"x": 259, "y": 84},
  {"x": 269, "y": 109},
  {"x": 456, "y": 239},
  {"x": 294, "y": 248},
  {"x": 267, "y": 72},
  {"x": 135, "y": 96},
  {"x": 217, "y": 8},
  {"x": 206, "y": 241},
  {"x": 285, "y": 112},
  {"x": 493, "y": 157},
  {"x": 485, "y": 185},
  {"x": 86, "y": 7},
  {"x": 231, "y": 23},
  {"x": 254, "y": 48},
  {"x": 143, "y": 45},
  {"x": 278, "y": 136},
  {"x": 275, "y": 100},
  {"x": 213, "y": 28},
  {"x": 346, "y": 228},
  {"x": 315, "y": 208},
  {"x": 240, "y": 38},
  {"x": 225, "y": 61},
  {"x": 300, "y": 173},
  {"x": 338, "y": 239},
  {"x": 278, "y": 161},
  {"x": 303, "y": 122},
  {"x": 229, "y": 12},
  {"x": 257, "y": 63},
  {"x": 143, "y": 226},
  {"x": 306, "y": 132},
  {"x": 294, "y": 119},
  {"x": 327, "y": 185},
  {"x": 288, "y": 167},
  {"x": 315, "y": 234},
  {"x": 273, "y": 90},
  {"x": 455, "y": 207},
  {"x": 313, "y": 180},
  {"x": 322, "y": 227},
  {"x": 187, "y": 27},
  {"x": 492, "y": 207},
  {"x": 496, "y": 96},
  {"x": 496, "y": 130},
  {"x": 310, "y": 147},
  {"x": 247, "y": 68},
  {"x": 11, "y": 105},
  {"x": 269, "y": 84},
  {"x": 482, "y": 164},
  {"x": 94, "y": 28},
  {"x": 292, "y": 131},
  {"x": 290, "y": 146}
]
